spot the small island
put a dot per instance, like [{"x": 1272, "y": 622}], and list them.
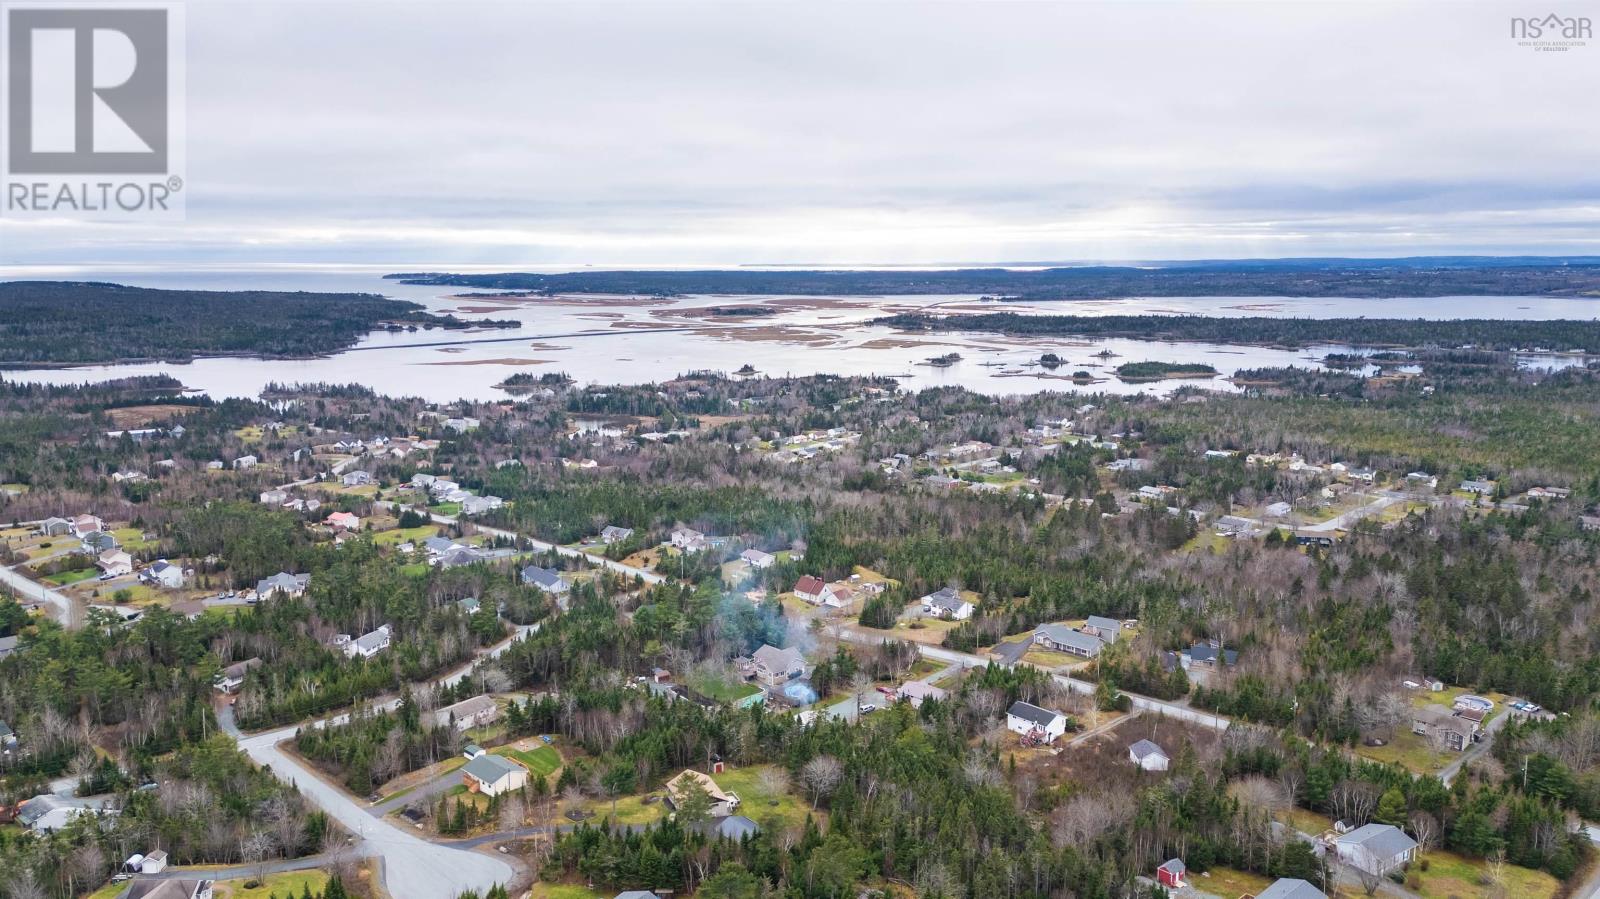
[
  {"x": 525, "y": 382},
  {"x": 1161, "y": 371},
  {"x": 945, "y": 361}
]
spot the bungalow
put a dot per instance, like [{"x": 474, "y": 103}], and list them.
[
  {"x": 1107, "y": 629},
  {"x": 55, "y": 527},
  {"x": 809, "y": 588},
  {"x": 917, "y": 692},
  {"x": 231, "y": 678},
  {"x": 303, "y": 505},
  {"x": 1362, "y": 474},
  {"x": 1375, "y": 848},
  {"x": 442, "y": 487},
  {"x": 546, "y": 579},
  {"x": 114, "y": 563},
  {"x": 1548, "y": 493},
  {"x": 274, "y": 497},
  {"x": 776, "y": 667},
  {"x": 479, "y": 711},
  {"x": 461, "y": 425},
  {"x": 470, "y": 605},
  {"x": 1291, "y": 888},
  {"x": 343, "y": 521},
  {"x": 477, "y": 505},
  {"x": 459, "y": 556},
  {"x": 946, "y": 602},
  {"x": 1034, "y": 723},
  {"x": 723, "y": 802},
  {"x": 368, "y": 644},
  {"x": 1148, "y": 756},
  {"x": 284, "y": 583},
  {"x": 422, "y": 479},
  {"x": 755, "y": 558},
  {"x": 1279, "y": 510},
  {"x": 1060, "y": 638},
  {"x": 612, "y": 534},
  {"x": 168, "y": 888},
  {"x": 438, "y": 546},
  {"x": 1480, "y": 487},
  {"x": 1422, "y": 479},
  {"x": 84, "y": 525},
  {"x": 357, "y": 478},
  {"x": 50, "y": 813},
  {"x": 244, "y": 462},
  {"x": 1207, "y": 653},
  {"x": 163, "y": 574},
  {"x": 492, "y": 775},
  {"x": 1170, "y": 874}
]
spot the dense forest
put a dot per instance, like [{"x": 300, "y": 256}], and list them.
[
  {"x": 79, "y": 322},
  {"x": 1495, "y": 334},
  {"x": 1291, "y": 278}
]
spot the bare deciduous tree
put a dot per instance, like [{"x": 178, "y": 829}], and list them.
[{"x": 821, "y": 776}]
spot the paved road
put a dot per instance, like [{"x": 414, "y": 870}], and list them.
[
  {"x": 62, "y": 608},
  {"x": 276, "y": 866},
  {"x": 427, "y": 870},
  {"x": 649, "y": 577},
  {"x": 1341, "y": 522},
  {"x": 968, "y": 660}
]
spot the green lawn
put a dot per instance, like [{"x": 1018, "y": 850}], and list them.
[
  {"x": 132, "y": 539},
  {"x": 405, "y": 535},
  {"x": 725, "y": 691},
  {"x": 757, "y": 803},
  {"x": 542, "y": 760},
  {"x": 449, "y": 510},
  {"x": 415, "y": 569},
  {"x": 64, "y": 578},
  {"x": 564, "y": 891},
  {"x": 1229, "y": 882},
  {"x": 289, "y": 885},
  {"x": 1450, "y": 874}
]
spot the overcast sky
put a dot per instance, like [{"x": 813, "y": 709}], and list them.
[{"x": 671, "y": 133}]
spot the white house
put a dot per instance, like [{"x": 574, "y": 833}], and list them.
[
  {"x": 492, "y": 775},
  {"x": 163, "y": 574},
  {"x": 274, "y": 497},
  {"x": 368, "y": 644},
  {"x": 1149, "y": 756},
  {"x": 613, "y": 534},
  {"x": 946, "y": 602},
  {"x": 357, "y": 478},
  {"x": 1035, "y": 723},
  {"x": 289, "y": 585},
  {"x": 244, "y": 462},
  {"x": 688, "y": 539},
  {"x": 114, "y": 562},
  {"x": 755, "y": 558},
  {"x": 723, "y": 802},
  {"x": 1376, "y": 848},
  {"x": 810, "y": 588},
  {"x": 469, "y": 713}
]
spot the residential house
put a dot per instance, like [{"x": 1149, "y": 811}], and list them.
[
  {"x": 1035, "y": 723},
  {"x": 917, "y": 692},
  {"x": 1480, "y": 487},
  {"x": 168, "y": 888},
  {"x": 1171, "y": 872},
  {"x": 470, "y": 605},
  {"x": 245, "y": 462},
  {"x": 215, "y": 465},
  {"x": 461, "y": 425},
  {"x": 114, "y": 563},
  {"x": 689, "y": 540},
  {"x": 1376, "y": 848},
  {"x": 776, "y": 667},
  {"x": 124, "y": 476},
  {"x": 723, "y": 802},
  {"x": 55, "y": 527},
  {"x": 1291, "y": 888},
  {"x": 1548, "y": 493},
  {"x": 422, "y": 479},
  {"x": 163, "y": 574},
  {"x": 477, "y": 505},
  {"x": 492, "y": 775},
  {"x": 438, "y": 546},
  {"x": 231, "y": 678},
  {"x": 357, "y": 478},
  {"x": 479, "y": 711},
  {"x": 343, "y": 521},
  {"x": 1207, "y": 654},
  {"x": 809, "y": 588},
  {"x": 84, "y": 525},
  {"x": 284, "y": 584},
  {"x": 1278, "y": 510},
  {"x": 274, "y": 497},
  {"x": 1365, "y": 475},
  {"x": 1422, "y": 479},
  {"x": 50, "y": 813},
  {"x": 1107, "y": 629},
  {"x": 612, "y": 534},
  {"x": 458, "y": 556},
  {"x": 1446, "y": 730},
  {"x": 755, "y": 558},
  {"x": 547, "y": 579},
  {"x": 736, "y": 828},
  {"x": 946, "y": 602},
  {"x": 1060, "y": 638},
  {"x": 97, "y": 542},
  {"x": 1148, "y": 756},
  {"x": 369, "y": 644}
]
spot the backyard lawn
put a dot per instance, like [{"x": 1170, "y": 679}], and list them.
[
  {"x": 61, "y": 579},
  {"x": 758, "y": 803},
  {"x": 725, "y": 690},
  {"x": 288, "y": 885},
  {"x": 1229, "y": 882},
  {"x": 563, "y": 891},
  {"x": 405, "y": 535},
  {"x": 1449, "y": 875},
  {"x": 542, "y": 760}
]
